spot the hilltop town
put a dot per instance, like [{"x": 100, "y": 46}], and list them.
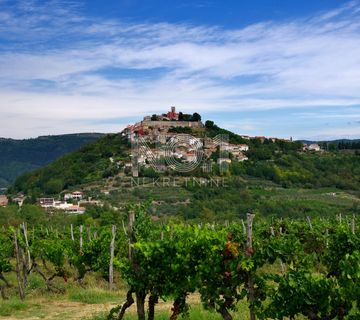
[
  {"x": 147, "y": 145},
  {"x": 159, "y": 130},
  {"x": 168, "y": 129}
]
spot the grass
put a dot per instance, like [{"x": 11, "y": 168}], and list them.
[
  {"x": 94, "y": 303},
  {"x": 196, "y": 312},
  {"x": 35, "y": 284},
  {"x": 8, "y": 307},
  {"x": 77, "y": 303},
  {"x": 99, "y": 316},
  {"x": 93, "y": 296}
]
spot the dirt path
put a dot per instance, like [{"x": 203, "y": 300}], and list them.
[
  {"x": 60, "y": 310},
  {"x": 69, "y": 310}
]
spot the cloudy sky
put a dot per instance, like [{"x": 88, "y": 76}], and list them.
[{"x": 260, "y": 67}]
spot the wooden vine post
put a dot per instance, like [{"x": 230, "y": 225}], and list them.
[
  {"x": 250, "y": 251},
  {"x": 243, "y": 225},
  {"x": 81, "y": 239},
  {"x": 27, "y": 245},
  {"x": 140, "y": 296},
  {"x": 282, "y": 265},
  {"x": 111, "y": 265},
  {"x": 327, "y": 237},
  {"x": 309, "y": 222},
  {"x": 129, "y": 296},
  {"x": 72, "y": 232},
  {"x": 18, "y": 270},
  {"x": 130, "y": 232},
  {"x": 272, "y": 231}
]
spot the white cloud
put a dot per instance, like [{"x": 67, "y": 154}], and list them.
[{"x": 59, "y": 66}]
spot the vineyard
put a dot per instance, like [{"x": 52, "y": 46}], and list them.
[{"x": 281, "y": 268}]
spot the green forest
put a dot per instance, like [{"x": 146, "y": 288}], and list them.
[
  {"x": 280, "y": 162},
  {"x": 19, "y": 156}
]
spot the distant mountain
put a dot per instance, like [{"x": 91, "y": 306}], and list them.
[
  {"x": 331, "y": 141},
  {"x": 20, "y": 156},
  {"x": 348, "y": 145}
]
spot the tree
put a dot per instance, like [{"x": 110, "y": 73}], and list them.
[
  {"x": 187, "y": 117},
  {"x": 196, "y": 117},
  {"x": 53, "y": 186},
  {"x": 209, "y": 124}
]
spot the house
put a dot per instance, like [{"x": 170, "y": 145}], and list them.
[
  {"x": 161, "y": 138},
  {"x": 235, "y": 149},
  {"x": 67, "y": 196},
  {"x": 75, "y": 209},
  {"x": 314, "y": 147},
  {"x": 3, "y": 200},
  {"x": 19, "y": 199},
  {"x": 311, "y": 147},
  {"x": 243, "y": 147},
  {"x": 209, "y": 143},
  {"x": 191, "y": 157},
  {"x": 195, "y": 142},
  {"x": 77, "y": 195},
  {"x": 242, "y": 158},
  {"x": 90, "y": 201},
  {"x": 141, "y": 159},
  {"x": 225, "y": 146},
  {"x": 61, "y": 205},
  {"x": 47, "y": 202},
  {"x": 172, "y": 115}
]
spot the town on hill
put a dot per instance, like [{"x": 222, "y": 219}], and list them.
[
  {"x": 164, "y": 128},
  {"x": 144, "y": 149},
  {"x": 170, "y": 127}
]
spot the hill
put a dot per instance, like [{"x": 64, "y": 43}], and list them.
[
  {"x": 19, "y": 156},
  {"x": 278, "y": 177},
  {"x": 340, "y": 144},
  {"x": 89, "y": 163}
]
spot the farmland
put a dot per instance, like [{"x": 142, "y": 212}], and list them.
[{"x": 253, "y": 268}]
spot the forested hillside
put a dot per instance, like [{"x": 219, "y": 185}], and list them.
[
  {"x": 89, "y": 163},
  {"x": 19, "y": 156},
  {"x": 281, "y": 163}
]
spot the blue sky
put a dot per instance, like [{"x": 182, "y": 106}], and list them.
[{"x": 274, "y": 68}]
